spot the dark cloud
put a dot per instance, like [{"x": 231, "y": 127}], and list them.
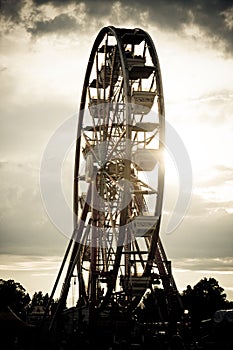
[
  {"x": 211, "y": 17},
  {"x": 215, "y": 18},
  {"x": 11, "y": 9},
  {"x": 63, "y": 23},
  {"x": 208, "y": 15},
  {"x": 54, "y": 2}
]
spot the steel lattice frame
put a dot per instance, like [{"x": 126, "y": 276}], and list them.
[{"x": 115, "y": 248}]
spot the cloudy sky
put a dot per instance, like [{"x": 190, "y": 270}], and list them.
[{"x": 43, "y": 55}]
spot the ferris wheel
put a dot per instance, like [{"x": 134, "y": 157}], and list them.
[{"x": 115, "y": 251}]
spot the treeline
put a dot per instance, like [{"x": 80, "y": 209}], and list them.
[
  {"x": 201, "y": 301},
  {"x": 14, "y": 296}
]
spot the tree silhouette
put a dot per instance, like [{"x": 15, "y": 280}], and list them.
[
  {"x": 205, "y": 298},
  {"x": 39, "y": 299},
  {"x": 13, "y": 295}
]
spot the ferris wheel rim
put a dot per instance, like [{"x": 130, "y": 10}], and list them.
[{"x": 125, "y": 73}]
